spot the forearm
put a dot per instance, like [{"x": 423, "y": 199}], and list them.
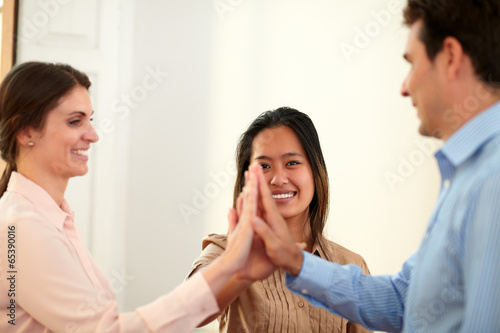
[
  {"x": 227, "y": 295},
  {"x": 293, "y": 261},
  {"x": 181, "y": 310},
  {"x": 55, "y": 290},
  {"x": 373, "y": 301},
  {"x": 218, "y": 274}
]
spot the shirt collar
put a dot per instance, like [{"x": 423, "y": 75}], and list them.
[
  {"x": 472, "y": 135},
  {"x": 317, "y": 250},
  {"x": 43, "y": 202}
]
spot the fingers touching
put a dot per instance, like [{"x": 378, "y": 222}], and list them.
[{"x": 232, "y": 218}]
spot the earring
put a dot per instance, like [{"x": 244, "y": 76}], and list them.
[{"x": 31, "y": 144}]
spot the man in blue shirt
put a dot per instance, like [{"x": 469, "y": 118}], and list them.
[{"x": 452, "y": 283}]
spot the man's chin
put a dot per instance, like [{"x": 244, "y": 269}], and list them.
[{"x": 436, "y": 133}]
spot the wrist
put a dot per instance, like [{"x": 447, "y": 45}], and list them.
[
  {"x": 225, "y": 266},
  {"x": 242, "y": 282},
  {"x": 295, "y": 265},
  {"x": 223, "y": 271},
  {"x": 218, "y": 273}
]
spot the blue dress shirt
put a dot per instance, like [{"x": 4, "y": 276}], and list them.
[{"x": 452, "y": 283}]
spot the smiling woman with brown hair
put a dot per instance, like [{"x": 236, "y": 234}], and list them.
[{"x": 284, "y": 142}]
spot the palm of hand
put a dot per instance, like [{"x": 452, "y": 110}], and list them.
[{"x": 258, "y": 265}]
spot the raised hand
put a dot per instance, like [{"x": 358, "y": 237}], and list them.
[
  {"x": 220, "y": 275},
  {"x": 258, "y": 265},
  {"x": 244, "y": 260},
  {"x": 270, "y": 226},
  {"x": 240, "y": 239}
]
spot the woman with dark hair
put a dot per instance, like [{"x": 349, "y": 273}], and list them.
[
  {"x": 286, "y": 145},
  {"x": 48, "y": 279}
]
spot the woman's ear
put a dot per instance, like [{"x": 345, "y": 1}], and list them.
[{"x": 26, "y": 137}]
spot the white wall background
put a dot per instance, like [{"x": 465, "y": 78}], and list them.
[{"x": 178, "y": 81}]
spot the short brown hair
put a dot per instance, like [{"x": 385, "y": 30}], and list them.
[{"x": 474, "y": 23}]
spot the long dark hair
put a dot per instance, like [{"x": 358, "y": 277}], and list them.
[
  {"x": 27, "y": 93},
  {"x": 304, "y": 128}
]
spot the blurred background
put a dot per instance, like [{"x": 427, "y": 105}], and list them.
[{"x": 176, "y": 82}]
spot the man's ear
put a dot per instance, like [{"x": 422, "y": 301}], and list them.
[{"x": 453, "y": 57}]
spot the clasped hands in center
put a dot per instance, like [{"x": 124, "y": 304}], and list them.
[{"x": 258, "y": 234}]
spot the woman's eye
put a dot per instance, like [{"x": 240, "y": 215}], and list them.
[
  {"x": 74, "y": 122},
  {"x": 293, "y": 163},
  {"x": 264, "y": 166}
]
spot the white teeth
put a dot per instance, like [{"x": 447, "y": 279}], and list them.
[
  {"x": 283, "y": 196},
  {"x": 80, "y": 152}
]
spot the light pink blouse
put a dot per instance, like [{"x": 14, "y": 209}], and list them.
[{"x": 49, "y": 282}]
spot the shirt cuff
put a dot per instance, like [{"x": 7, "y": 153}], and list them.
[
  {"x": 189, "y": 304},
  {"x": 314, "y": 277}
]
